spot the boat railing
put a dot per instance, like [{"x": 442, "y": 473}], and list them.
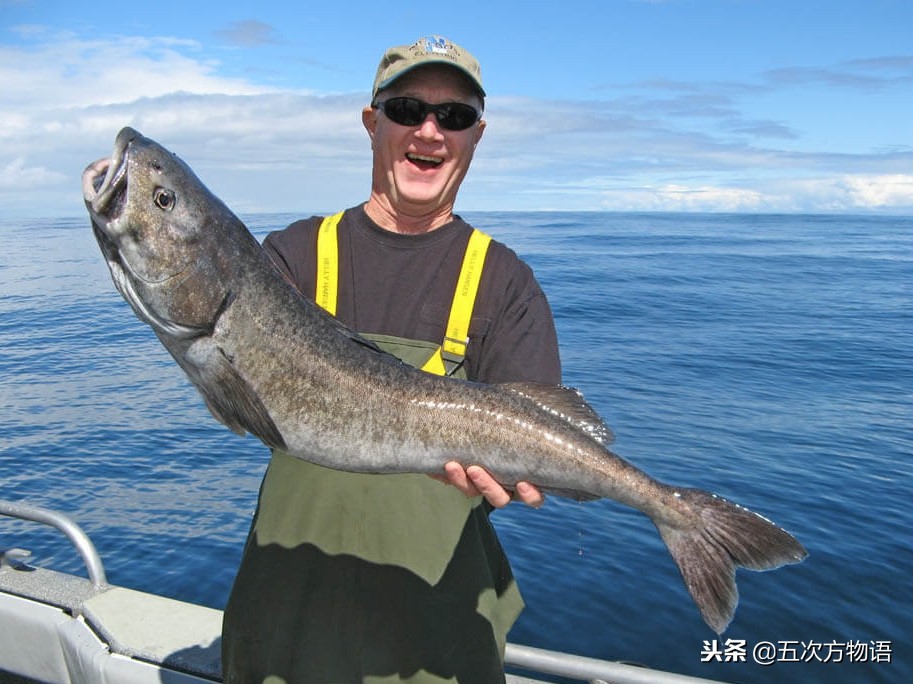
[
  {"x": 591, "y": 670},
  {"x": 58, "y": 520}
]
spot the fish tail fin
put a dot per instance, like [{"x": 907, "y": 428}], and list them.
[{"x": 720, "y": 537}]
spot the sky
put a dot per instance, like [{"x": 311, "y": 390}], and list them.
[{"x": 593, "y": 105}]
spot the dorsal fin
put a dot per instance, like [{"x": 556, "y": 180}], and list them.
[{"x": 566, "y": 403}]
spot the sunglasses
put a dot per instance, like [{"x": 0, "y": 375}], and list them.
[{"x": 408, "y": 111}]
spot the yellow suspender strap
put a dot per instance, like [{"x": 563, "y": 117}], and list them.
[
  {"x": 328, "y": 263},
  {"x": 452, "y": 351}
]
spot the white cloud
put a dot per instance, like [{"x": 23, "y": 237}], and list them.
[
  {"x": 677, "y": 197},
  {"x": 828, "y": 194},
  {"x": 881, "y": 191},
  {"x": 15, "y": 173},
  {"x": 860, "y": 192},
  {"x": 64, "y": 71}
]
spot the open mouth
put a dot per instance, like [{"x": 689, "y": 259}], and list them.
[
  {"x": 104, "y": 189},
  {"x": 104, "y": 182},
  {"x": 105, "y": 194},
  {"x": 424, "y": 161}
]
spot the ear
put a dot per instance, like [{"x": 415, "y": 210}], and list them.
[
  {"x": 369, "y": 120},
  {"x": 480, "y": 129}
]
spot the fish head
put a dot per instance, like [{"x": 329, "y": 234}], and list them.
[{"x": 163, "y": 235}]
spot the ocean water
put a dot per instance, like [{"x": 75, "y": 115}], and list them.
[{"x": 766, "y": 358}]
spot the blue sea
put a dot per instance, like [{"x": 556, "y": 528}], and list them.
[{"x": 767, "y": 358}]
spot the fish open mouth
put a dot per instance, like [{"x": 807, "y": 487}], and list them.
[
  {"x": 104, "y": 189},
  {"x": 104, "y": 182},
  {"x": 105, "y": 194}
]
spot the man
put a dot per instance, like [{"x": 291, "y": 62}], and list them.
[{"x": 354, "y": 578}]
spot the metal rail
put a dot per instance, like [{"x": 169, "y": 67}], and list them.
[
  {"x": 590, "y": 669},
  {"x": 74, "y": 533}
]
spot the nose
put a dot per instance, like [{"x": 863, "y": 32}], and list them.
[{"x": 429, "y": 129}]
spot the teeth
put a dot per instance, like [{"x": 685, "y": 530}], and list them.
[{"x": 424, "y": 158}]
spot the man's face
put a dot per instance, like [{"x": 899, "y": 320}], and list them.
[{"x": 418, "y": 169}]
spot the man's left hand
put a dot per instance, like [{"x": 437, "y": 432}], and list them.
[{"x": 476, "y": 481}]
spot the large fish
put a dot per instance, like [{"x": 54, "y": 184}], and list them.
[{"x": 270, "y": 362}]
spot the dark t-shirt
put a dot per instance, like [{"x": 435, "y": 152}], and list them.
[{"x": 402, "y": 285}]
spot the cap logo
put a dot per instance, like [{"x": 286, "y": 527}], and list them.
[{"x": 437, "y": 45}]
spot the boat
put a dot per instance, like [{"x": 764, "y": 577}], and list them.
[{"x": 61, "y": 628}]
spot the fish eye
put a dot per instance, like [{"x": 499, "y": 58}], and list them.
[{"x": 164, "y": 199}]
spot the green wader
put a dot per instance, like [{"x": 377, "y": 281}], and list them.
[{"x": 356, "y": 579}]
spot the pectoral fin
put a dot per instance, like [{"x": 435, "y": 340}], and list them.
[{"x": 230, "y": 399}]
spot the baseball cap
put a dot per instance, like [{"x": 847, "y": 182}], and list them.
[{"x": 429, "y": 50}]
